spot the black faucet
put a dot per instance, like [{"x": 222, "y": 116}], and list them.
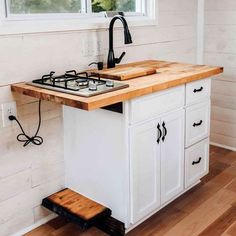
[{"x": 111, "y": 60}]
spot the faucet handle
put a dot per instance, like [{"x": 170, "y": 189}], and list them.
[{"x": 118, "y": 60}]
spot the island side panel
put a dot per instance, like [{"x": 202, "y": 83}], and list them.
[{"x": 96, "y": 158}]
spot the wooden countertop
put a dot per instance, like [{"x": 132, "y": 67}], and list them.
[{"x": 169, "y": 74}]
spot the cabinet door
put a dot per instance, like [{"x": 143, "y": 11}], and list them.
[
  {"x": 145, "y": 170},
  {"x": 197, "y": 123},
  {"x": 172, "y": 155},
  {"x": 196, "y": 162}
]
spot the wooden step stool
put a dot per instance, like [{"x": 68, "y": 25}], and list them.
[{"x": 83, "y": 211}]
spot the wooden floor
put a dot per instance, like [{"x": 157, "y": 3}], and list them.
[{"x": 208, "y": 209}]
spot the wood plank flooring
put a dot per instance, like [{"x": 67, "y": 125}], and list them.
[{"x": 209, "y": 209}]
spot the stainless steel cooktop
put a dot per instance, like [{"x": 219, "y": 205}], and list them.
[{"x": 81, "y": 84}]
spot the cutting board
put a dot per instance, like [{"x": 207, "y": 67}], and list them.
[{"x": 126, "y": 72}]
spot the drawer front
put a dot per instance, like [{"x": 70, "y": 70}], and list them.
[
  {"x": 198, "y": 91},
  {"x": 150, "y": 106},
  {"x": 197, "y": 123},
  {"x": 196, "y": 162}
]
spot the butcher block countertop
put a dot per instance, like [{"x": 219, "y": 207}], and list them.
[{"x": 169, "y": 74}]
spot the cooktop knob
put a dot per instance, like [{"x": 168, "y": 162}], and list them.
[
  {"x": 92, "y": 86},
  {"x": 110, "y": 83}
]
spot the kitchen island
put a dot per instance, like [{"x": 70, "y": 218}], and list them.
[{"x": 155, "y": 148}]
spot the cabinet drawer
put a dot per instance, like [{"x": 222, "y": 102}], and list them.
[
  {"x": 150, "y": 106},
  {"x": 196, "y": 162},
  {"x": 197, "y": 123},
  {"x": 198, "y": 91}
]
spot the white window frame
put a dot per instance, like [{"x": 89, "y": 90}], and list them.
[{"x": 34, "y": 23}]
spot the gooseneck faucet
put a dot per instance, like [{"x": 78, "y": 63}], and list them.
[{"x": 112, "y": 61}]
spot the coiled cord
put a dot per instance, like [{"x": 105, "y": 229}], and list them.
[{"x": 23, "y": 137}]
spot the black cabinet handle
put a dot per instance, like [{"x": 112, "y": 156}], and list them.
[
  {"x": 164, "y": 131},
  {"x": 197, "y": 162},
  {"x": 198, "y": 124},
  {"x": 159, "y": 133},
  {"x": 198, "y": 90}
]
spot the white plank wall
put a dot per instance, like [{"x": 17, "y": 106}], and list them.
[
  {"x": 220, "y": 49},
  {"x": 29, "y": 174}
]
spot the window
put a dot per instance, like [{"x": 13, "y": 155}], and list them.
[
  {"x": 113, "y": 5},
  {"x": 29, "y": 7},
  {"x": 28, "y": 16},
  {"x": 43, "y": 6}
]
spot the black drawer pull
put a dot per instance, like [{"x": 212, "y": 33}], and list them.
[
  {"x": 198, "y": 124},
  {"x": 198, "y": 90},
  {"x": 164, "y": 131},
  {"x": 159, "y": 133},
  {"x": 197, "y": 162}
]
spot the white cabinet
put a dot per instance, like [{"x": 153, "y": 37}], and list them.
[
  {"x": 137, "y": 163},
  {"x": 197, "y": 131},
  {"x": 161, "y": 168},
  {"x": 157, "y": 163},
  {"x": 196, "y": 162},
  {"x": 149, "y": 106},
  {"x": 197, "y": 123},
  {"x": 145, "y": 170},
  {"x": 198, "y": 91},
  {"x": 172, "y": 156}
]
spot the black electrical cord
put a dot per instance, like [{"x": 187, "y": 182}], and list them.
[{"x": 23, "y": 137}]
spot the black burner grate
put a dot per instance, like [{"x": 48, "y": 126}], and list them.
[{"x": 71, "y": 80}]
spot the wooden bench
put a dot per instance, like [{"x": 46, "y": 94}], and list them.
[{"x": 83, "y": 211}]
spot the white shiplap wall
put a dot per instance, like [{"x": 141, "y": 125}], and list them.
[
  {"x": 220, "y": 49},
  {"x": 29, "y": 174}
]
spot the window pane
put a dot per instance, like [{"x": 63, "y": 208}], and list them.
[
  {"x": 44, "y": 6},
  {"x": 113, "y": 5}
]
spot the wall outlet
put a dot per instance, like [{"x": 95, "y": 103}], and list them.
[{"x": 8, "y": 109}]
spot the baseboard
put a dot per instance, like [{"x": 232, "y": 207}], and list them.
[
  {"x": 35, "y": 225},
  {"x": 223, "y": 146}
]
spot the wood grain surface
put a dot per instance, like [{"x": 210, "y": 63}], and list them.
[
  {"x": 126, "y": 73},
  {"x": 76, "y": 204},
  {"x": 169, "y": 74}
]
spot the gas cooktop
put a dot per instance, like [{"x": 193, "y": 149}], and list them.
[{"x": 82, "y": 84}]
